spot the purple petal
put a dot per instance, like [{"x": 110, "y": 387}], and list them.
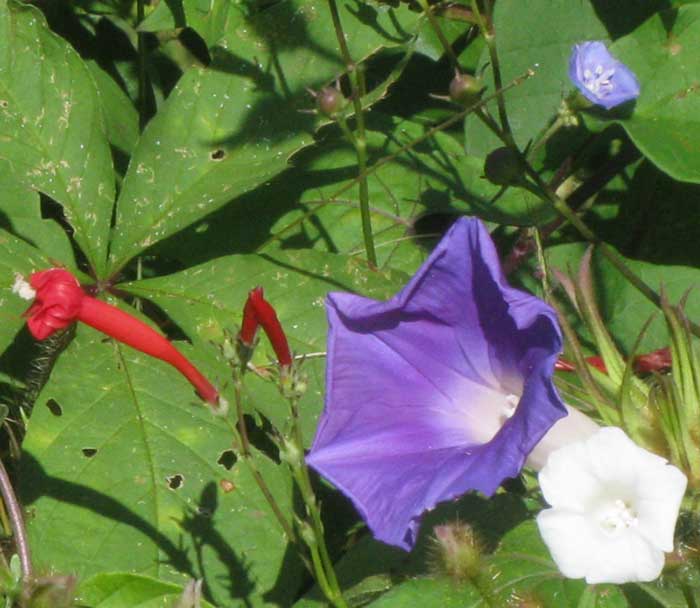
[{"x": 416, "y": 386}]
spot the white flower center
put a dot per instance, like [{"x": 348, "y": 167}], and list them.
[
  {"x": 22, "y": 288},
  {"x": 615, "y": 516},
  {"x": 599, "y": 80}
]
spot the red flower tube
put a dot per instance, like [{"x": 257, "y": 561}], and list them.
[
  {"x": 259, "y": 312},
  {"x": 60, "y": 301}
]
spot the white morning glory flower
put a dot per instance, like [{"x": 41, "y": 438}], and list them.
[{"x": 614, "y": 509}]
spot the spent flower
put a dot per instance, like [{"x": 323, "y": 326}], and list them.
[
  {"x": 614, "y": 508},
  {"x": 445, "y": 388},
  {"x": 600, "y": 77}
]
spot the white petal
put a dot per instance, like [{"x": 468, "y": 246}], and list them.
[
  {"x": 660, "y": 500},
  {"x": 566, "y": 481},
  {"x": 625, "y": 559},
  {"x": 569, "y": 539}
]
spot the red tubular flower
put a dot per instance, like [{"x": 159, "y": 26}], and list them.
[
  {"x": 258, "y": 311},
  {"x": 57, "y": 302},
  {"x": 60, "y": 300}
]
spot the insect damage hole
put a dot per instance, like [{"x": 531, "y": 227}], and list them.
[
  {"x": 89, "y": 452},
  {"x": 175, "y": 481},
  {"x": 218, "y": 154},
  {"x": 54, "y": 407},
  {"x": 227, "y": 459}
]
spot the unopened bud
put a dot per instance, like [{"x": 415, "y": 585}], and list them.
[
  {"x": 465, "y": 89},
  {"x": 459, "y": 551},
  {"x": 329, "y": 101},
  {"x": 503, "y": 167}
]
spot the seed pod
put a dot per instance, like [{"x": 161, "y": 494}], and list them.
[
  {"x": 465, "y": 89},
  {"x": 503, "y": 168}
]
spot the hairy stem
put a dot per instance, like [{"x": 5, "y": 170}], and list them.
[{"x": 17, "y": 522}]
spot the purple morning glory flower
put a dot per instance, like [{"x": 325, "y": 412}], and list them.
[
  {"x": 600, "y": 77},
  {"x": 445, "y": 388}
]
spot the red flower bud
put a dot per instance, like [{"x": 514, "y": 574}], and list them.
[
  {"x": 654, "y": 361},
  {"x": 60, "y": 301},
  {"x": 258, "y": 311},
  {"x": 249, "y": 326}
]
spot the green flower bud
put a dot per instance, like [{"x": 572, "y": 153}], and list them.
[
  {"x": 503, "y": 167},
  {"x": 465, "y": 89}
]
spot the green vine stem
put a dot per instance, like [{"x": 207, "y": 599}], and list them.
[
  {"x": 316, "y": 539},
  {"x": 454, "y": 119},
  {"x": 141, "y": 66},
  {"x": 486, "y": 27},
  {"x": 247, "y": 455},
  {"x": 355, "y": 76}
]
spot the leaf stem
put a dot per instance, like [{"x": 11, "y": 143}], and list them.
[
  {"x": 435, "y": 24},
  {"x": 17, "y": 521},
  {"x": 356, "y": 79},
  {"x": 141, "y": 66},
  {"x": 486, "y": 27}
]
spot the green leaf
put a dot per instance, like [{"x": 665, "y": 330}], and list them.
[
  {"x": 20, "y": 213},
  {"x": 539, "y": 35},
  {"x": 121, "y": 117},
  {"x": 665, "y": 122},
  {"x": 208, "y": 298},
  {"x": 121, "y": 589},
  {"x": 232, "y": 126},
  {"x": 209, "y": 19},
  {"x": 430, "y": 593},
  {"x": 120, "y": 472},
  {"x": 52, "y": 134}
]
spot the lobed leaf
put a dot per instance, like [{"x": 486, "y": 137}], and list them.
[{"x": 52, "y": 133}]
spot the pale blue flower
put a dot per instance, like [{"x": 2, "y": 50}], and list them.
[{"x": 600, "y": 77}]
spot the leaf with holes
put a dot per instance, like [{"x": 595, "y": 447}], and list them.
[
  {"x": 120, "y": 472},
  {"x": 206, "y": 299},
  {"x": 231, "y": 127},
  {"x": 52, "y": 134}
]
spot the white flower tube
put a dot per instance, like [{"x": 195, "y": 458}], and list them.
[{"x": 614, "y": 508}]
